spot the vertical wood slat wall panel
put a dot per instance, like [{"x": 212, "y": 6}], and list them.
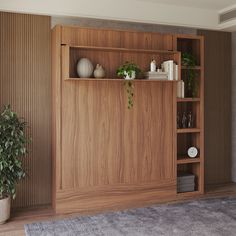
[{"x": 25, "y": 84}]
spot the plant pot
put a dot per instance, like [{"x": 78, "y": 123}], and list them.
[
  {"x": 132, "y": 76},
  {"x": 5, "y": 207}
]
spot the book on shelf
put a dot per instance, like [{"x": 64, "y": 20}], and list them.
[
  {"x": 156, "y": 75},
  {"x": 171, "y": 68},
  {"x": 185, "y": 182}
]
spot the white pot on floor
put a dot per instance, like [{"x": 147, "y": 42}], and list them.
[{"x": 5, "y": 207}]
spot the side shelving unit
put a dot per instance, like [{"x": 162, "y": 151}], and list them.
[{"x": 193, "y": 136}]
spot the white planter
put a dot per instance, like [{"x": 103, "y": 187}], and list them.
[
  {"x": 5, "y": 207},
  {"x": 128, "y": 77}
]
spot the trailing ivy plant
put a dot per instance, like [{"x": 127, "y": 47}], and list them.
[
  {"x": 189, "y": 61},
  {"x": 13, "y": 143},
  {"x": 127, "y": 69},
  {"x": 129, "y": 86}
]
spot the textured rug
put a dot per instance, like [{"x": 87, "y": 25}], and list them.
[{"x": 211, "y": 217}]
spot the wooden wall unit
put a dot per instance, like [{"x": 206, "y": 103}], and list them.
[
  {"x": 25, "y": 71},
  {"x": 104, "y": 155}
]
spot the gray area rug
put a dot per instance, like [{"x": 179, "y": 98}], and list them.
[{"x": 210, "y": 217}]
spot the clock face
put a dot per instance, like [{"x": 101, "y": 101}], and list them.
[{"x": 192, "y": 152}]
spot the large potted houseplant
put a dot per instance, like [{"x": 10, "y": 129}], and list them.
[
  {"x": 129, "y": 71},
  {"x": 13, "y": 143}
]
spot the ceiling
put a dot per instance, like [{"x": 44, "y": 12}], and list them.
[
  {"x": 204, "y": 4},
  {"x": 200, "y": 14}
]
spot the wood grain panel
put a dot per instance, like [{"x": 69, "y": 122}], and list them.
[
  {"x": 116, "y": 38},
  {"x": 119, "y": 146},
  {"x": 56, "y": 112},
  {"x": 217, "y": 106},
  {"x": 115, "y": 197},
  {"x": 90, "y": 37},
  {"x": 25, "y": 84}
]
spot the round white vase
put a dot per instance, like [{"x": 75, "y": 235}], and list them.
[
  {"x": 132, "y": 76},
  {"x": 5, "y": 207},
  {"x": 84, "y": 68}
]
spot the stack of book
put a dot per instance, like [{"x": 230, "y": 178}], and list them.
[
  {"x": 171, "y": 68},
  {"x": 185, "y": 182},
  {"x": 156, "y": 75}
]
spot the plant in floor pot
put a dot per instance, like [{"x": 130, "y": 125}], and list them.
[
  {"x": 129, "y": 71},
  {"x": 13, "y": 143}
]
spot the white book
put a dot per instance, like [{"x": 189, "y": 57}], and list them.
[{"x": 168, "y": 66}]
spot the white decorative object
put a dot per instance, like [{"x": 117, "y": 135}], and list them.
[
  {"x": 192, "y": 152},
  {"x": 153, "y": 66},
  {"x": 99, "y": 72},
  {"x": 132, "y": 76},
  {"x": 168, "y": 66},
  {"x": 180, "y": 89},
  {"x": 84, "y": 68},
  {"x": 176, "y": 71},
  {"x": 5, "y": 206}
]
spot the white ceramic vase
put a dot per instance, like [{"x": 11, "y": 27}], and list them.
[
  {"x": 132, "y": 76},
  {"x": 84, "y": 68},
  {"x": 99, "y": 72},
  {"x": 5, "y": 206}
]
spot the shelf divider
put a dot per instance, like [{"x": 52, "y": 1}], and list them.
[
  {"x": 188, "y": 160},
  {"x": 188, "y": 99},
  {"x": 188, "y": 130}
]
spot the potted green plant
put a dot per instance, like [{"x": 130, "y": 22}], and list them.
[
  {"x": 189, "y": 61},
  {"x": 129, "y": 71},
  {"x": 13, "y": 143}
]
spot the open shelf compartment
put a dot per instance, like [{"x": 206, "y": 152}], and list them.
[
  {"x": 185, "y": 141},
  {"x": 191, "y": 173},
  {"x": 111, "y": 59},
  {"x": 190, "y": 111}
]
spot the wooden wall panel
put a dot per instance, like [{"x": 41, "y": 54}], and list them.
[
  {"x": 217, "y": 106},
  {"x": 112, "y": 38},
  {"x": 104, "y": 143},
  {"x": 25, "y": 84}
]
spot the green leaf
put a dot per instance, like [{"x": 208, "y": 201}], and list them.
[{"x": 13, "y": 141}]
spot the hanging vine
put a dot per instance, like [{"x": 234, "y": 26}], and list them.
[
  {"x": 129, "y": 87},
  {"x": 130, "y": 70}
]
